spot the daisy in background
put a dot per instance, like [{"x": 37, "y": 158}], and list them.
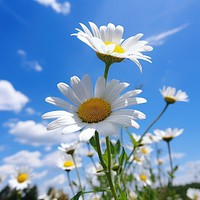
[
  {"x": 66, "y": 162},
  {"x": 109, "y": 45},
  {"x": 68, "y": 148},
  {"x": 168, "y": 134},
  {"x": 193, "y": 193},
  {"x": 21, "y": 179},
  {"x": 101, "y": 110},
  {"x": 143, "y": 177},
  {"x": 170, "y": 95}
]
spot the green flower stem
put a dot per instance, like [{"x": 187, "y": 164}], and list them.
[
  {"x": 170, "y": 157},
  {"x": 70, "y": 183},
  {"x": 99, "y": 151},
  {"x": 107, "y": 67},
  {"x": 148, "y": 128},
  {"x": 155, "y": 120},
  {"x": 112, "y": 186},
  {"x": 77, "y": 173},
  {"x": 19, "y": 195},
  {"x": 108, "y": 169}
]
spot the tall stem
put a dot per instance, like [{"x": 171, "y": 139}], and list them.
[
  {"x": 112, "y": 186},
  {"x": 107, "y": 170},
  {"x": 154, "y": 121},
  {"x": 107, "y": 67},
  {"x": 170, "y": 157},
  {"x": 77, "y": 173},
  {"x": 70, "y": 183},
  {"x": 148, "y": 128}
]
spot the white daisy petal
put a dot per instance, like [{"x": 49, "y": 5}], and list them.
[
  {"x": 69, "y": 93},
  {"x": 60, "y": 103},
  {"x": 56, "y": 114},
  {"x": 99, "y": 87},
  {"x": 95, "y": 30},
  {"x": 86, "y": 134}
]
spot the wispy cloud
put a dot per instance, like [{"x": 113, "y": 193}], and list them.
[
  {"x": 29, "y": 64},
  {"x": 160, "y": 38},
  {"x": 10, "y": 98},
  {"x": 35, "y": 134},
  {"x": 63, "y": 8}
]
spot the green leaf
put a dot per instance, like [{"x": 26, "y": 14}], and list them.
[
  {"x": 76, "y": 197},
  {"x": 117, "y": 147},
  {"x": 122, "y": 157},
  {"x": 122, "y": 194},
  {"x": 175, "y": 168},
  {"x": 134, "y": 142}
]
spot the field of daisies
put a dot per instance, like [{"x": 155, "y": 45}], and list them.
[{"x": 102, "y": 114}]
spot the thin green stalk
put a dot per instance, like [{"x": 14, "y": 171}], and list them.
[
  {"x": 107, "y": 170},
  {"x": 112, "y": 186},
  {"x": 155, "y": 120},
  {"x": 99, "y": 151},
  {"x": 148, "y": 128},
  {"x": 77, "y": 173},
  {"x": 70, "y": 183},
  {"x": 107, "y": 67},
  {"x": 170, "y": 157}
]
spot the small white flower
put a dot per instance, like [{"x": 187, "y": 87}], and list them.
[
  {"x": 170, "y": 95},
  {"x": 168, "y": 134},
  {"x": 193, "y": 193},
  {"x": 68, "y": 148},
  {"x": 110, "y": 47},
  {"x": 21, "y": 179},
  {"x": 66, "y": 162},
  {"x": 145, "y": 150},
  {"x": 150, "y": 138},
  {"x": 102, "y": 110},
  {"x": 143, "y": 177}
]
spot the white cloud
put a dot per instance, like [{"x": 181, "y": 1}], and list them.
[
  {"x": 159, "y": 39},
  {"x": 25, "y": 158},
  {"x": 58, "y": 180},
  {"x": 188, "y": 173},
  {"x": 63, "y": 8},
  {"x": 40, "y": 175},
  {"x": 11, "y": 99},
  {"x": 32, "y": 133},
  {"x": 29, "y": 64},
  {"x": 174, "y": 156}
]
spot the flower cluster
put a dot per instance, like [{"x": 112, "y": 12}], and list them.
[{"x": 103, "y": 163}]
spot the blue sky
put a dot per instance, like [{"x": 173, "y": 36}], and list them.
[{"x": 37, "y": 52}]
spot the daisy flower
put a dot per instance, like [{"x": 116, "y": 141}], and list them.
[
  {"x": 107, "y": 42},
  {"x": 143, "y": 177},
  {"x": 21, "y": 179},
  {"x": 68, "y": 148},
  {"x": 66, "y": 162},
  {"x": 170, "y": 95},
  {"x": 145, "y": 150},
  {"x": 168, "y": 134},
  {"x": 102, "y": 110},
  {"x": 193, "y": 193}
]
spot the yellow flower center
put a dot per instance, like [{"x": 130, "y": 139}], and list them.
[
  {"x": 68, "y": 163},
  {"x": 22, "y": 177},
  {"x": 143, "y": 177},
  {"x": 94, "y": 110},
  {"x": 144, "y": 151},
  {"x": 118, "y": 49},
  {"x": 170, "y": 99}
]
